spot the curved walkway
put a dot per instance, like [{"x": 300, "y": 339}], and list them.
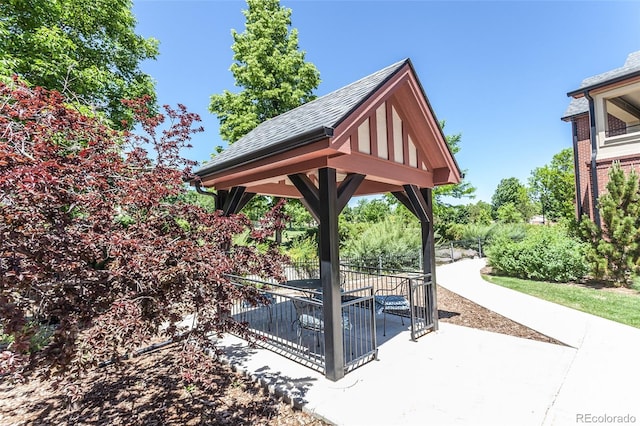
[
  {"x": 604, "y": 376},
  {"x": 465, "y": 376}
]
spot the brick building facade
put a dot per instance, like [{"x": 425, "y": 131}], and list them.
[{"x": 605, "y": 117}]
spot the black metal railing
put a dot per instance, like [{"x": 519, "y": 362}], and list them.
[{"x": 292, "y": 322}]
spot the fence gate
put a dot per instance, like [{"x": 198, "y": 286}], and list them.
[{"x": 421, "y": 300}]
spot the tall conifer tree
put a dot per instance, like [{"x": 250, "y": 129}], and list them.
[
  {"x": 270, "y": 69},
  {"x": 615, "y": 247}
]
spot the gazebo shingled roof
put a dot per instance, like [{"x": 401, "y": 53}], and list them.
[{"x": 381, "y": 126}]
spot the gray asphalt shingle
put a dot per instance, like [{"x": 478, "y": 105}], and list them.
[
  {"x": 293, "y": 127},
  {"x": 631, "y": 65},
  {"x": 576, "y": 107},
  {"x": 581, "y": 105}
]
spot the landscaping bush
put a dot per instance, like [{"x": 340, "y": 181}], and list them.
[
  {"x": 303, "y": 250},
  {"x": 545, "y": 254},
  {"x": 510, "y": 231},
  {"x": 388, "y": 239},
  {"x": 614, "y": 246}
]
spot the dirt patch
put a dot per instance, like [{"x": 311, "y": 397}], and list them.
[{"x": 148, "y": 391}]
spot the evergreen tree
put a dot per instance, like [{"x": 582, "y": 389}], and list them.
[
  {"x": 269, "y": 68},
  {"x": 615, "y": 247}
]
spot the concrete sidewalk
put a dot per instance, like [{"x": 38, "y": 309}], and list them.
[
  {"x": 464, "y": 376},
  {"x": 604, "y": 377}
]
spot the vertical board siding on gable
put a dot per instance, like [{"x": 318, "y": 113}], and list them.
[
  {"x": 385, "y": 135},
  {"x": 373, "y": 134},
  {"x": 364, "y": 138},
  {"x": 398, "y": 151},
  {"x": 381, "y": 131},
  {"x": 405, "y": 142},
  {"x": 413, "y": 153}
]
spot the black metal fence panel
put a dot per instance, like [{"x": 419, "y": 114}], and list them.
[{"x": 292, "y": 323}]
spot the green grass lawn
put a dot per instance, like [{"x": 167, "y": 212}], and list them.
[{"x": 623, "y": 308}]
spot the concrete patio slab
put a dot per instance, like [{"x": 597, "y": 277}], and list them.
[
  {"x": 456, "y": 376},
  {"x": 465, "y": 376}
]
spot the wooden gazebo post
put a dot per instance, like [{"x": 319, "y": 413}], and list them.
[
  {"x": 325, "y": 204},
  {"x": 420, "y": 203},
  {"x": 330, "y": 273}
]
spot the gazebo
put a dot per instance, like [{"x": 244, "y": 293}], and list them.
[{"x": 376, "y": 135}]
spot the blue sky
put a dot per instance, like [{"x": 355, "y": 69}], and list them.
[{"x": 496, "y": 72}]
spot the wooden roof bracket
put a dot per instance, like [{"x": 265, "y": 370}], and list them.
[{"x": 311, "y": 195}]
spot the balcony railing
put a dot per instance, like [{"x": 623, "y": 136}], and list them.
[{"x": 619, "y": 131}]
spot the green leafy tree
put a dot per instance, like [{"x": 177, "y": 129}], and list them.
[
  {"x": 370, "y": 210},
  {"x": 270, "y": 69},
  {"x": 509, "y": 213},
  {"x": 553, "y": 186},
  {"x": 85, "y": 49},
  {"x": 448, "y": 218},
  {"x": 615, "y": 247},
  {"x": 479, "y": 213},
  {"x": 510, "y": 190},
  {"x": 298, "y": 214},
  {"x": 460, "y": 190}
]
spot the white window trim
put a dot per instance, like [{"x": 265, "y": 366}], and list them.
[{"x": 614, "y": 146}]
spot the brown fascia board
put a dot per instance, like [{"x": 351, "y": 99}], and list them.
[
  {"x": 306, "y": 138},
  {"x": 433, "y": 114},
  {"x": 580, "y": 92}
]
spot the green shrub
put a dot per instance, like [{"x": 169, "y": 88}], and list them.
[
  {"x": 389, "y": 238},
  {"x": 454, "y": 231},
  {"x": 510, "y": 231},
  {"x": 545, "y": 254},
  {"x": 475, "y": 232},
  {"x": 303, "y": 250}
]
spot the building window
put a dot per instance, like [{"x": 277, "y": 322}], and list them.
[{"x": 623, "y": 114}]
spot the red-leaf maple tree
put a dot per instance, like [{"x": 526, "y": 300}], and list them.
[{"x": 97, "y": 249}]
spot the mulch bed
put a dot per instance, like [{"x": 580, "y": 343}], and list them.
[
  {"x": 457, "y": 310},
  {"x": 147, "y": 390}
]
